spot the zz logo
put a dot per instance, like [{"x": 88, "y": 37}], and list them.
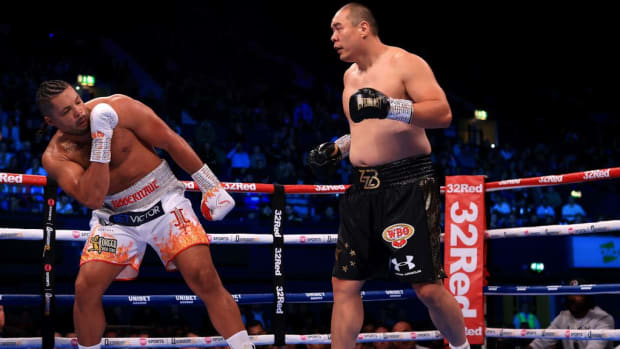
[
  {"x": 409, "y": 263},
  {"x": 370, "y": 179}
]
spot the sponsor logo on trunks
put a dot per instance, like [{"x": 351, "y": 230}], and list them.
[
  {"x": 398, "y": 234},
  {"x": 510, "y": 181},
  {"x": 186, "y": 299},
  {"x": 11, "y": 178},
  {"x": 463, "y": 188},
  {"x": 136, "y": 300},
  {"x": 138, "y": 218},
  {"x": 137, "y": 196},
  {"x": 597, "y": 174},
  {"x": 370, "y": 179},
  {"x": 405, "y": 267},
  {"x": 101, "y": 244},
  {"x": 240, "y": 186},
  {"x": 328, "y": 187},
  {"x": 551, "y": 179}
]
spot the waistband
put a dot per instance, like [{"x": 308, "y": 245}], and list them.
[
  {"x": 402, "y": 171},
  {"x": 135, "y": 218},
  {"x": 144, "y": 192}
]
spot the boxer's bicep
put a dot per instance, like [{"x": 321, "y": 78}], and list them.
[
  {"x": 66, "y": 173},
  {"x": 419, "y": 80},
  {"x": 149, "y": 127}
]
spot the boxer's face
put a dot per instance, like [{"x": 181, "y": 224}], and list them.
[
  {"x": 69, "y": 113},
  {"x": 345, "y": 36}
]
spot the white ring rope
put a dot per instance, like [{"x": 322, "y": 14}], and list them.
[
  {"x": 268, "y": 339},
  {"x": 318, "y": 239}
]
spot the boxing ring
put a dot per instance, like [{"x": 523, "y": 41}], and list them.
[{"x": 48, "y": 299}]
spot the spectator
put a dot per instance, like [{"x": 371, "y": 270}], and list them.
[
  {"x": 572, "y": 211},
  {"x": 63, "y": 206},
  {"x": 525, "y": 318},
  {"x": 545, "y": 210},
  {"x": 405, "y": 326},
  {"x": 381, "y": 345},
  {"x": 239, "y": 161},
  {"x": 582, "y": 314}
]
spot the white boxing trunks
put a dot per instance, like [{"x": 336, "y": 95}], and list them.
[{"x": 152, "y": 211}]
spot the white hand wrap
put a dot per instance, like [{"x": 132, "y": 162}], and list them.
[
  {"x": 205, "y": 179},
  {"x": 344, "y": 144},
  {"x": 103, "y": 120},
  {"x": 216, "y": 202},
  {"x": 400, "y": 110}
]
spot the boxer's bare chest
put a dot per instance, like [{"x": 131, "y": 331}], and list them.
[{"x": 130, "y": 161}]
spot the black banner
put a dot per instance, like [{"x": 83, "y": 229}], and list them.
[
  {"x": 279, "y": 324},
  {"x": 47, "y": 272}
]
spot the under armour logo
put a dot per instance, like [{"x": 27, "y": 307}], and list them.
[{"x": 397, "y": 265}]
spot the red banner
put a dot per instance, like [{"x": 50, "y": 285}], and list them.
[{"x": 464, "y": 245}]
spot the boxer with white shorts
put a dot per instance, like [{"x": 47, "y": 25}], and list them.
[{"x": 103, "y": 155}]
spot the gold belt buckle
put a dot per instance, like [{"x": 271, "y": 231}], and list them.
[{"x": 370, "y": 179}]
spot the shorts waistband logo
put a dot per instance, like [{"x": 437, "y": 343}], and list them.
[
  {"x": 370, "y": 179},
  {"x": 134, "y": 219}
]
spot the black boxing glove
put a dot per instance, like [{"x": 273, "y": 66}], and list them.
[
  {"x": 368, "y": 103},
  {"x": 325, "y": 154}
]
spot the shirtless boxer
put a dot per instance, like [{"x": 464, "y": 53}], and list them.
[
  {"x": 103, "y": 155},
  {"x": 389, "y": 218}
]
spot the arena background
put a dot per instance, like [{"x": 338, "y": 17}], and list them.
[{"x": 237, "y": 76}]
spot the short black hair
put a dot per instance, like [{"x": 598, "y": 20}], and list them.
[
  {"x": 358, "y": 13},
  {"x": 48, "y": 90}
]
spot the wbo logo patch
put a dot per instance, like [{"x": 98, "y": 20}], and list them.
[{"x": 398, "y": 234}]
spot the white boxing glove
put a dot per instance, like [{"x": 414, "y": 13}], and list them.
[
  {"x": 216, "y": 202},
  {"x": 103, "y": 120}
]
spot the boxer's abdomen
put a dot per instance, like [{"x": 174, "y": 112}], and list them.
[{"x": 377, "y": 142}]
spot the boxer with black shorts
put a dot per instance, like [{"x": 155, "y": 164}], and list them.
[{"x": 389, "y": 217}]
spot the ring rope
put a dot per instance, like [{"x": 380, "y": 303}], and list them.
[
  {"x": 517, "y": 183},
  {"x": 180, "y": 342},
  {"x": 321, "y": 239},
  {"x": 311, "y": 297}
]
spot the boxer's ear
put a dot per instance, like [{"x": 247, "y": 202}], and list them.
[{"x": 48, "y": 120}]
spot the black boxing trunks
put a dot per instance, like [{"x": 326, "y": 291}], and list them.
[{"x": 389, "y": 224}]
